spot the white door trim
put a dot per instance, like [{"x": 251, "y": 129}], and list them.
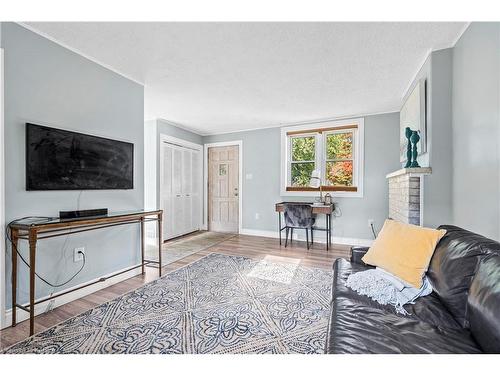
[
  {"x": 2, "y": 197},
  {"x": 206, "y": 146},
  {"x": 180, "y": 142}
]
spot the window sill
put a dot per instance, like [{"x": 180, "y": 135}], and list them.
[
  {"x": 313, "y": 192},
  {"x": 324, "y": 188}
]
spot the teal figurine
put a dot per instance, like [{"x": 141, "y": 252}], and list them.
[
  {"x": 414, "y": 140},
  {"x": 408, "y": 133}
]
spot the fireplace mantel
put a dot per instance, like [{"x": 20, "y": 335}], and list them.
[{"x": 411, "y": 172}]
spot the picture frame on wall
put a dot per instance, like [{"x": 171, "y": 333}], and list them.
[{"x": 413, "y": 115}]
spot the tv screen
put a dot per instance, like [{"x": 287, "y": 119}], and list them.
[{"x": 63, "y": 160}]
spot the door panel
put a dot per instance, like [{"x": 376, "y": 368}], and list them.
[
  {"x": 186, "y": 172},
  {"x": 180, "y": 186},
  {"x": 223, "y": 189},
  {"x": 197, "y": 181},
  {"x": 177, "y": 171},
  {"x": 166, "y": 189}
]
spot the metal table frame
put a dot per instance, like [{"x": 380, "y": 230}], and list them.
[
  {"x": 38, "y": 231},
  {"x": 326, "y": 210}
]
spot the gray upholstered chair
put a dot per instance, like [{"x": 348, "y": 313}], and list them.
[{"x": 299, "y": 216}]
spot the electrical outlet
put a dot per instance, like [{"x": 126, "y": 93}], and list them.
[
  {"x": 257, "y": 216},
  {"x": 78, "y": 254},
  {"x": 371, "y": 222}
]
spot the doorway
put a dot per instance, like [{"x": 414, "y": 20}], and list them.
[{"x": 224, "y": 187}]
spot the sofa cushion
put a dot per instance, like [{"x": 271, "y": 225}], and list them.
[
  {"x": 427, "y": 309},
  {"x": 483, "y": 305},
  {"x": 404, "y": 250},
  {"x": 361, "y": 325},
  {"x": 357, "y": 328},
  {"x": 453, "y": 266}
]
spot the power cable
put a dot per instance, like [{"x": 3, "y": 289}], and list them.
[{"x": 14, "y": 248}]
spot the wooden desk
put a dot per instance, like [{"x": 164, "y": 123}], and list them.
[
  {"x": 34, "y": 230},
  {"x": 326, "y": 209}
]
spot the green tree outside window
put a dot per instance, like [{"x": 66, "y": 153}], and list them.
[{"x": 303, "y": 151}]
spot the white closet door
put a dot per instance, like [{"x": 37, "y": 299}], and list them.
[
  {"x": 196, "y": 190},
  {"x": 180, "y": 189},
  {"x": 186, "y": 191},
  {"x": 166, "y": 190},
  {"x": 178, "y": 198}
]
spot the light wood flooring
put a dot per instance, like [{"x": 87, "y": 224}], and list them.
[{"x": 248, "y": 246}]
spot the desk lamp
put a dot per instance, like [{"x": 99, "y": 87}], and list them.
[{"x": 315, "y": 182}]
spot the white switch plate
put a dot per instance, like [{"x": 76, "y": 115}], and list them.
[{"x": 77, "y": 256}]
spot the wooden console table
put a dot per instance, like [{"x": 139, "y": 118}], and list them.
[
  {"x": 325, "y": 209},
  {"x": 34, "y": 230}
]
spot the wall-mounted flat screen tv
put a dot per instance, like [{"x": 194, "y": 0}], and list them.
[{"x": 64, "y": 160}]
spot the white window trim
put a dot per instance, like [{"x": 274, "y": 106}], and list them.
[{"x": 359, "y": 150}]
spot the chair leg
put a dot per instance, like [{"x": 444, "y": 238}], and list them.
[
  {"x": 307, "y": 238},
  {"x": 291, "y": 235},
  {"x": 286, "y": 236},
  {"x": 312, "y": 237}
]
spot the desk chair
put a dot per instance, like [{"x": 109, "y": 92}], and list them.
[{"x": 299, "y": 216}]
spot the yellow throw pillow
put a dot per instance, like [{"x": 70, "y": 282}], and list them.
[{"x": 404, "y": 250}]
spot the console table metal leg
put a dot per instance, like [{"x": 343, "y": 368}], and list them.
[
  {"x": 142, "y": 245},
  {"x": 279, "y": 225},
  {"x": 327, "y": 233},
  {"x": 160, "y": 242},
  {"x": 32, "y": 243},
  {"x": 330, "y": 228},
  {"x": 14, "y": 233}
]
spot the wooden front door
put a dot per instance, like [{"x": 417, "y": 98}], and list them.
[{"x": 223, "y": 189}]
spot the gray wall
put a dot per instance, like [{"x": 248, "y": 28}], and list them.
[
  {"x": 167, "y": 128},
  {"x": 261, "y": 158},
  {"x": 438, "y": 186},
  {"x": 436, "y": 70},
  {"x": 476, "y": 81},
  {"x": 50, "y": 85}
]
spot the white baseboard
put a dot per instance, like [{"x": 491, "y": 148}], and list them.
[
  {"x": 40, "y": 308},
  {"x": 320, "y": 239}
]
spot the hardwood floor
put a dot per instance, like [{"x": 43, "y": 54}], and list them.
[{"x": 248, "y": 246}]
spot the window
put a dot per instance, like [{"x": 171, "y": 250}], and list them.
[
  {"x": 303, "y": 159},
  {"x": 339, "y": 158},
  {"x": 335, "y": 149}
]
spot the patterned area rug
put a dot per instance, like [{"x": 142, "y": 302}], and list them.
[
  {"x": 218, "y": 304},
  {"x": 185, "y": 246}
]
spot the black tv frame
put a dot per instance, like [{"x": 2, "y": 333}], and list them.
[{"x": 30, "y": 188}]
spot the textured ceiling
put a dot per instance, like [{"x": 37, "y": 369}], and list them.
[{"x": 220, "y": 77}]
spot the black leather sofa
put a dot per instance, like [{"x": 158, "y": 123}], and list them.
[{"x": 462, "y": 315}]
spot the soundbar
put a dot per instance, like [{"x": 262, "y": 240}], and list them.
[{"x": 83, "y": 213}]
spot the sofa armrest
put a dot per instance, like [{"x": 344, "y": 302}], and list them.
[{"x": 357, "y": 252}]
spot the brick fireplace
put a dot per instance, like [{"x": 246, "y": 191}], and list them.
[{"x": 406, "y": 194}]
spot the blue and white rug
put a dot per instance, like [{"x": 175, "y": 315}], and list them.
[{"x": 218, "y": 304}]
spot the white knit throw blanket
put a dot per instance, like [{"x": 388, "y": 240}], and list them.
[{"x": 387, "y": 289}]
